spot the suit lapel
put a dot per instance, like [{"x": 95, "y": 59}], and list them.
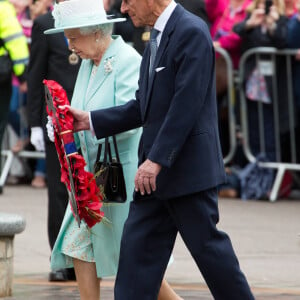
[
  {"x": 161, "y": 49},
  {"x": 105, "y": 68},
  {"x": 100, "y": 77},
  {"x": 82, "y": 82}
]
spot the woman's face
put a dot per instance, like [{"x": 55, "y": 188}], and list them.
[{"x": 86, "y": 46}]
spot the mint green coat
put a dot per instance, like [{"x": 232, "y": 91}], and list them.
[{"x": 114, "y": 84}]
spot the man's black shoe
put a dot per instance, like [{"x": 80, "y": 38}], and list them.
[
  {"x": 59, "y": 275},
  {"x": 62, "y": 275},
  {"x": 70, "y": 272}
]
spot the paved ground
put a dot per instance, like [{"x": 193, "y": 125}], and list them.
[{"x": 266, "y": 237}]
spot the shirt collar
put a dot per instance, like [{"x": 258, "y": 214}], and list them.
[{"x": 162, "y": 20}]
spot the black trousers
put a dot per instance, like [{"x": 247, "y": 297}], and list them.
[
  {"x": 148, "y": 240},
  {"x": 57, "y": 193},
  {"x": 5, "y": 95}
]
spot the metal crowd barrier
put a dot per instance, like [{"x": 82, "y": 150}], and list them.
[
  {"x": 281, "y": 166},
  {"x": 231, "y": 105},
  {"x": 9, "y": 155},
  {"x": 232, "y": 125}
]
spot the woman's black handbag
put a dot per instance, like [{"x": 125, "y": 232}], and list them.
[
  {"x": 109, "y": 174},
  {"x": 5, "y": 66}
]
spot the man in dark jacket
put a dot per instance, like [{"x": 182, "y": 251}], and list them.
[{"x": 49, "y": 59}]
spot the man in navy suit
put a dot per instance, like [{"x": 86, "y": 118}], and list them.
[{"x": 180, "y": 160}]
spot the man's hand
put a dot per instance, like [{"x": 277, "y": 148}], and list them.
[
  {"x": 217, "y": 44},
  {"x": 81, "y": 118},
  {"x": 145, "y": 178},
  {"x": 256, "y": 19}
]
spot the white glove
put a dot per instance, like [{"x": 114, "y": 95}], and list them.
[
  {"x": 37, "y": 138},
  {"x": 50, "y": 129}
]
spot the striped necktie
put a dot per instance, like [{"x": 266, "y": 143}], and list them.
[{"x": 153, "y": 47}]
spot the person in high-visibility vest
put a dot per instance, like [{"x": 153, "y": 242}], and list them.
[{"x": 14, "y": 42}]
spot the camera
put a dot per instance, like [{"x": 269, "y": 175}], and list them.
[{"x": 268, "y": 4}]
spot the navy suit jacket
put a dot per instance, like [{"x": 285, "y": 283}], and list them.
[{"x": 177, "y": 110}]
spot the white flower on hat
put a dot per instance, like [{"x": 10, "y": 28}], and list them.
[
  {"x": 57, "y": 15},
  {"x": 108, "y": 62}
]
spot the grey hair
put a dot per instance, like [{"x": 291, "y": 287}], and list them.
[{"x": 106, "y": 29}]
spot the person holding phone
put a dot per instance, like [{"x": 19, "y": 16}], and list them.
[
  {"x": 263, "y": 14},
  {"x": 265, "y": 26}
]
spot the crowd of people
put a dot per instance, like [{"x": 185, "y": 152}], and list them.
[
  {"x": 170, "y": 143},
  {"x": 241, "y": 26}
]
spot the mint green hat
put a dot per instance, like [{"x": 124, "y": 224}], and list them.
[{"x": 79, "y": 13}]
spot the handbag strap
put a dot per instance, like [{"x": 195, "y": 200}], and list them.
[
  {"x": 107, "y": 150},
  {"x": 116, "y": 148},
  {"x": 99, "y": 152},
  {"x": 107, "y": 144}
]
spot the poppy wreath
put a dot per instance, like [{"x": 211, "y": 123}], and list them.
[{"x": 86, "y": 192}]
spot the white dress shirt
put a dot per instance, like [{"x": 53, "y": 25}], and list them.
[{"x": 162, "y": 20}]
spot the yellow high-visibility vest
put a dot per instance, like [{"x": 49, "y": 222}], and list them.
[{"x": 13, "y": 38}]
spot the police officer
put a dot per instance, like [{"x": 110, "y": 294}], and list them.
[{"x": 14, "y": 44}]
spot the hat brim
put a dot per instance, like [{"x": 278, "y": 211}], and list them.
[{"x": 61, "y": 29}]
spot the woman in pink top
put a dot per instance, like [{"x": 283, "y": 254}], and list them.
[{"x": 223, "y": 15}]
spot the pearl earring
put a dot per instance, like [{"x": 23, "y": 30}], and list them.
[
  {"x": 73, "y": 58},
  {"x": 97, "y": 40}
]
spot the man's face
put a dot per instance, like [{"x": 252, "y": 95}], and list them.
[{"x": 140, "y": 11}]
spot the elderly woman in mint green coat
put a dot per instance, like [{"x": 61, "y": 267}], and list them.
[
  {"x": 108, "y": 76},
  {"x": 114, "y": 82}
]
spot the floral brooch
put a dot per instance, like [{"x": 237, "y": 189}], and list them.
[{"x": 108, "y": 64}]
